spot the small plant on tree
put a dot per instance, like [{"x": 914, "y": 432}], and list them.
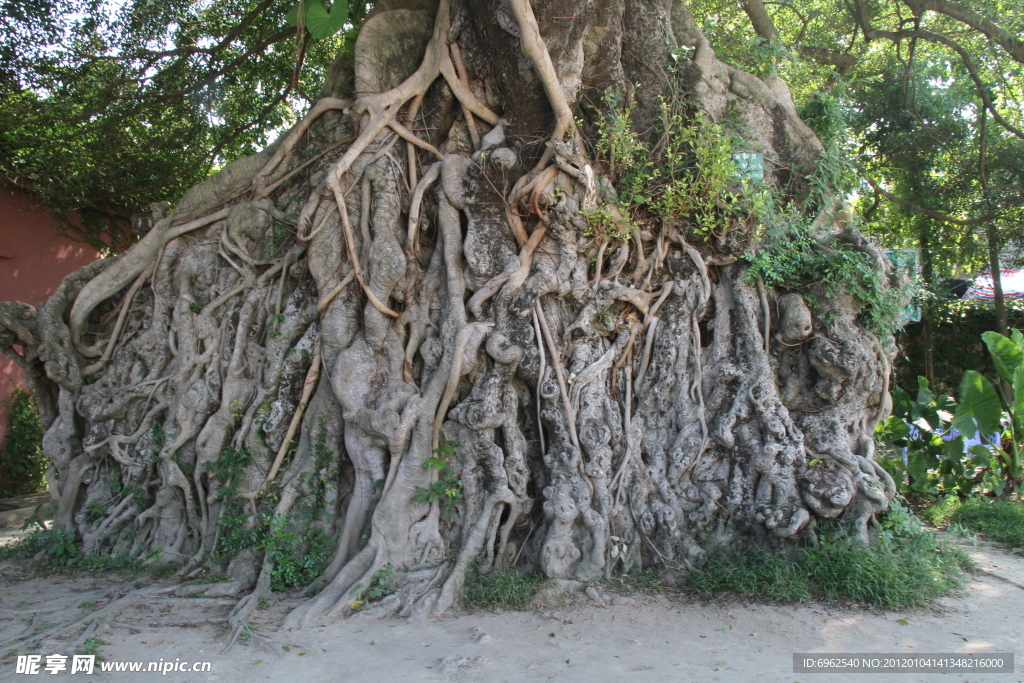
[{"x": 447, "y": 490}]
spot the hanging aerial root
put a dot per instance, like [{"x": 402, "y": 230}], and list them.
[
  {"x": 122, "y": 317},
  {"x": 322, "y": 105},
  {"x": 628, "y": 455},
  {"x": 627, "y": 352},
  {"x": 416, "y": 204},
  {"x": 540, "y": 379},
  {"x": 269, "y": 189},
  {"x": 373, "y": 113},
  {"x": 410, "y": 149},
  {"x": 536, "y": 50},
  {"x": 556, "y": 363},
  {"x": 326, "y": 300},
  {"x": 467, "y": 341},
  {"x": 766, "y": 313},
  {"x": 350, "y": 242},
  {"x": 409, "y": 136},
  {"x": 125, "y": 269},
  {"x": 307, "y": 390},
  {"x": 460, "y": 69}
]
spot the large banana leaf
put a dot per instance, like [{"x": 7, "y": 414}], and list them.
[
  {"x": 979, "y": 409},
  {"x": 1006, "y": 355}
]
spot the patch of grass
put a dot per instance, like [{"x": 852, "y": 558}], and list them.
[
  {"x": 204, "y": 579},
  {"x": 996, "y": 520},
  {"x": 55, "y": 552},
  {"x": 91, "y": 646},
  {"x": 761, "y": 575},
  {"x": 907, "y": 566},
  {"x": 941, "y": 513},
  {"x": 505, "y": 587}
]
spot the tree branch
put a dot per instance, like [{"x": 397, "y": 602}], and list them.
[
  {"x": 761, "y": 20},
  {"x": 871, "y": 33},
  {"x": 920, "y": 209},
  {"x": 1013, "y": 45}
]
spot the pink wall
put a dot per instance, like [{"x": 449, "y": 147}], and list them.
[{"x": 34, "y": 258}]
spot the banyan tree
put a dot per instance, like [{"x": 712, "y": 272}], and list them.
[{"x": 490, "y": 304}]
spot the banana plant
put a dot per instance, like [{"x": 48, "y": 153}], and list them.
[
  {"x": 995, "y": 416},
  {"x": 918, "y": 448}
]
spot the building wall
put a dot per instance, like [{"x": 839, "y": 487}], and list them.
[{"x": 34, "y": 257}]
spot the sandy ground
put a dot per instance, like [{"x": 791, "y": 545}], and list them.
[{"x": 638, "y": 638}]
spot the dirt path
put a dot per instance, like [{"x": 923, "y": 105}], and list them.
[{"x": 644, "y": 638}]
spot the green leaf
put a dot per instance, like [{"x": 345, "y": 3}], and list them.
[
  {"x": 901, "y": 403},
  {"x": 1006, "y": 355},
  {"x": 321, "y": 22},
  {"x": 917, "y": 467},
  {"x": 924, "y": 394},
  {"x": 979, "y": 408},
  {"x": 292, "y": 17},
  {"x": 892, "y": 429},
  {"x": 1017, "y": 404}
]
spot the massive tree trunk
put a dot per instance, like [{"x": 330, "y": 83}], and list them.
[{"x": 398, "y": 344}]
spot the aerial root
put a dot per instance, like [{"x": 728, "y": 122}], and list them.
[
  {"x": 122, "y": 317},
  {"x": 556, "y": 363},
  {"x": 350, "y": 242},
  {"x": 468, "y": 339},
  {"x": 238, "y": 619},
  {"x": 307, "y": 390},
  {"x": 540, "y": 377},
  {"x": 766, "y": 312},
  {"x": 518, "y": 277},
  {"x": 472, "y": 547},
  {"x": 415, "y": 205},
  {"x": 326, "y": 300},
  {"x": 269, "y": 189},
  {"x": 123, "y": 270},
  {"x": 536, "y": 50},
  {"x": 410, "y": 148},
  {"x": 409, "y": 136},
  {"x": 322, "y": 105},
  {"x": 463, "y": 77},
  {"x": 652, "y": 326},
  {"x": 91, "y": 621},
  {"x": 628, "y": 425}
]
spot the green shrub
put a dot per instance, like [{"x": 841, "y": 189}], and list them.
[
  {"x": 22, "y": 461},
  {"x": 504, "y": 587},
  {"x": 905, "y": 567}
]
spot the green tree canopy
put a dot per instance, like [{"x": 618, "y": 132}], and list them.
[
  {"x": 104, "y": 110},
  {"x": 107, "y": 107}
]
